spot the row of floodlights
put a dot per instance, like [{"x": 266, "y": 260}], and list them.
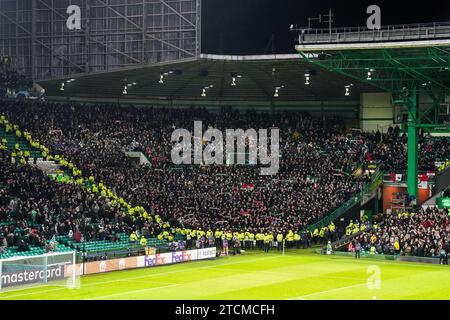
[
  {"x": 347, "y": 87},
  {"x": 165, "y": 74},
  {"x": 205, "y": 89},
  {"x": 275, "y": 94},
  {"x": 234, "y": 79},
  {"x": 127, "y": 86},
  {"x": 63, "y": 84}
]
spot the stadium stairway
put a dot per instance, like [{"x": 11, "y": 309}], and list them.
[
  {"x": 67, "y": 174},
  {"x": 12, "y": 140},
  {"x": 93, "y": 248},
  {"x": 347, "y": 239},
  {"x": 99, "y": 247},
  {"x": 49, "y": 168},
  {"x": 13, "y": 252},
  {"x": 371, "y": 192},
  {"x": 139, "y": 157},
  {"x": 368, "y": 192},
  {"x": 36, "y": 158},
  {"x": 61, "y": 172}
]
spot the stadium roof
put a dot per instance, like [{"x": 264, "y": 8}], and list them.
[
  {"x": 391, "y": 58},
  {"x": 256, "y": 79}
]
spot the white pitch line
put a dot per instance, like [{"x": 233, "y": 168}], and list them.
[
  {"x": 326, "y": 291},
  {"x": 131, "y": 292},
  {"x": 145, "y": 281},
  {"x": 287, "y": 272},
  {"x": 133, "y": 278}
]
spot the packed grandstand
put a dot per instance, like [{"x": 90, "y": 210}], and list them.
[
  {"x": 11, "y": 79},
  {"x": 97, "y": 199},
  {"x": 423, "y": 234},
  {"x": 218, "y": 150}
]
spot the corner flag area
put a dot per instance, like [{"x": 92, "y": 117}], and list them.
[{"x": 300, "y": 275}]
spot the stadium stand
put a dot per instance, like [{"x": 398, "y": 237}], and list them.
[
  {"x": 164, "y": 202},
  {"x": 391, "y": 150},
  {"x": 422, "y": 233},
  {"x": 11, "y": 79}
]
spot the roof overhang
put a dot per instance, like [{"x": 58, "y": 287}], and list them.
[
  {"x": 257, "y": 77},
  {"x": 372, "y": 45}
]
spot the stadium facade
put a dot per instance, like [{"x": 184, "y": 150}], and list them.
[{"x": 113, "y": 34}]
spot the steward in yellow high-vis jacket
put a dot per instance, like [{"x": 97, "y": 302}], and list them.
[
  {"x": 143, "y": 242},
  {"x": 133, "y": 237},
  {"x": 279, "y": 241},
  {"x": 267, "y": 239}
]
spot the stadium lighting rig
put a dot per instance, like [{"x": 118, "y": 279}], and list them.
[
  {"x": 127, "y": 86},
  {"x": 307, "y": 79},
  {"x": 308, "y": 74},
  {"x": 347, "y": 89},
  {"x": 234, "y": 77},
  {"x": 205, "y": 89},
  {"x": 370, "y": 74},
  {"x": 63, "y": 84},
  {"x": 164, "y": 75},
  {"x": 277, "y": 90}
]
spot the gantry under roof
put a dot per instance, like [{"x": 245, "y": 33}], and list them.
[
  {"x": 407, "y": 61},
  {"x": 256, "y": 79}
]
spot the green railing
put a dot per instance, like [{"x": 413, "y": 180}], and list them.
[
  {"x": 443, "y": 167},
  {"x": 364, "y": 254},
  {"x": 370, "y": 187}
]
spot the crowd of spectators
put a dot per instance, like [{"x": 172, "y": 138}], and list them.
[
  {"x": 390, "y": 150},
  {"x": 422, "y": 233},
  {"x": 11, "y": 79},
  {"x": 310, "y": 182},
  {"x": 318, "y": 158},
  {"x": 34, "y": 208}
]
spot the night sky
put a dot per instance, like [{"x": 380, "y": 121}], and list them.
[{"x": 246, "y": 26}]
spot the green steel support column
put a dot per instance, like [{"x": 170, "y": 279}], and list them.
[
  {"x": 413, "y": 135},
  {"x": 376, "y": 208}
]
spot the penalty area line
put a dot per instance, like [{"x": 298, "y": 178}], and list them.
[
  {"x": 326, "y": 291},
  {"x": 131, "y": 292},
  {"x": 49, "y": 288}
]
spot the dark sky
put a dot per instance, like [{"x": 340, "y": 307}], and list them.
[{"x": 246, "y": 26}]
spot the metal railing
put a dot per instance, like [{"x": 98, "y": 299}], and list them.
[
  {"x": 422, "y": 31},
  {"x": 363, "y": 255},
  {"x": 336, "y": 214},
  {"x": 347, "y": 239}
]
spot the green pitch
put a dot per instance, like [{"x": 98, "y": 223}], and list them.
[{"x": 298, "y": 275}]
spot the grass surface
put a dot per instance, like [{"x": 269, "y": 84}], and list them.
[{"x": 300, "y": 275}]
